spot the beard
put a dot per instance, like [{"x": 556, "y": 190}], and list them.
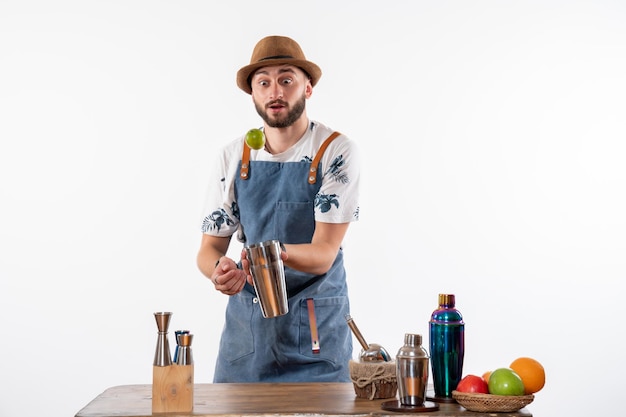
[{"x": 293, "y": 114}]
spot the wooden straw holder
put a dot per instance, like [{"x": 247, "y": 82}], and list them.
[{"x": 172, "y": 388}]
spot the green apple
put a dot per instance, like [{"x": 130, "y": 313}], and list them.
[
  {"x": 504, "y": 381},
  {"x": 255, "y": 139}
]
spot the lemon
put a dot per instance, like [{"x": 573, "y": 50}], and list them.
[{"x": 255, "y": 139}]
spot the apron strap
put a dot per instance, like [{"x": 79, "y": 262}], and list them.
[
  {"x": 245, "y": 159},
  {"x": 318, "y": 157},
  {"x": 315, "y": 339}
]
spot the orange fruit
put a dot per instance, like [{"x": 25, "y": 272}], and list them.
[
  {"x": 486, "y": 376},
  {"x": 532, "y": 373}
]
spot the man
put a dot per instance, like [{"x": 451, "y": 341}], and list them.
[{"x": 301, "y": 193}]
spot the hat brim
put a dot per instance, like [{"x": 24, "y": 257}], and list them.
[{"x": 244, "y": 74}]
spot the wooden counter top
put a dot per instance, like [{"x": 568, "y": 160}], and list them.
[{"x": 259, "y": 399}]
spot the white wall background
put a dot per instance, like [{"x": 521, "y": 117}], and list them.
[{"x": 502, "y": 125}]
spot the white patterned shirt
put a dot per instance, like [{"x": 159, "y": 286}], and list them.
[{"x": 336, "y": 201}]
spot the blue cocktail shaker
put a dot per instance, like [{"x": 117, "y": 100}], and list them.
[{"x": 447, "y": 347}]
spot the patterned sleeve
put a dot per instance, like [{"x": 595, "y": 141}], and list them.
[
  {"x": 220, "y": 216},
  {"x": 338, "y": 198}
]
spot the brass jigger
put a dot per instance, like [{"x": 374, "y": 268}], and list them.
[
  {"x": 162, "y": 355},
  {"x": 371, "y": 352}
]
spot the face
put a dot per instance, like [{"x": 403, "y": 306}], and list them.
[{"x": 279, "y": 94}]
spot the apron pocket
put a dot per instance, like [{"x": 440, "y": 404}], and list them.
[
  {"x": 237, "y": 340},
  {"x": 295, "y": 222},
  {"x": 335, "y": 339}
]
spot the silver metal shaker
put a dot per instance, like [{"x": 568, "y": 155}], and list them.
[
  {"x": 412, "y": 371},
  {"x": 268, "y": 274}
]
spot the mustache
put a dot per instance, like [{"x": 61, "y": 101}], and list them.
[{"x": 274, "y": 102}]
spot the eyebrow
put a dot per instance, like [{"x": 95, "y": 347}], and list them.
[{"x": 280, "y": 71}]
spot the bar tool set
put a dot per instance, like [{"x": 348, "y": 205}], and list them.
[
  {"x": 377, "y": 375},
  {"x": 172, "y": 380}
]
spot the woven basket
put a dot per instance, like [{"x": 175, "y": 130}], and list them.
[{"x": 492, "y": 403}]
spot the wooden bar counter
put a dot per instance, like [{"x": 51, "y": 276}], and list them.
[{"x": 263, "y": 399}]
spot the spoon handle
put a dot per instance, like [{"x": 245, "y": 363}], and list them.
[{"x": 356, "y": 332}]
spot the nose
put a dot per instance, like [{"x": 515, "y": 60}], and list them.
[{"x": 277, "y": 92}]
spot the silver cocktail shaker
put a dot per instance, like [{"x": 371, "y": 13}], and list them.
[
  {"x": 268, "y": 275},
  {"x": 412, "y": 371}
]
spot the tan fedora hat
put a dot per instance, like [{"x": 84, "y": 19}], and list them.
[{"x": 276, "y": 50}]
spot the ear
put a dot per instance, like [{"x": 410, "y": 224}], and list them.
[{"x": 308, "y": 89}]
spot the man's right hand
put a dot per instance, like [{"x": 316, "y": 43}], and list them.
[{"x": 227, "y": 278}]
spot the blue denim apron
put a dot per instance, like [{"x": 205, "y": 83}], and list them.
[{"x": 277, "y": 202}]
